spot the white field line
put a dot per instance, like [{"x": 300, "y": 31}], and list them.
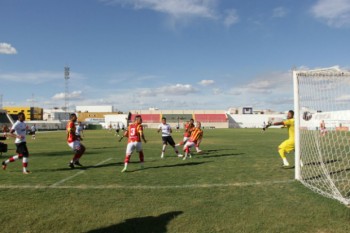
[
  {"x": 143, "y": 187},
  {"x": 77, "y": 174}
]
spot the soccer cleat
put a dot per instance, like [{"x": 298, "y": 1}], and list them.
[
  {"x": 199, "y": 151},
  {"x": 286, "y": 166},
  {"x": 4, "y": 166},
  {"x": 27, "y": 172},
  {"x": 124, "y": 169},
  {"x": 180, "y": 155},
  {"x": 162, "y": 156},
  {"x": 77, "y": 163},
  {"x": 71, "y": 165}
]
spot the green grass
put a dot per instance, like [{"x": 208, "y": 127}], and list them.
[{"x": 236, "y": 186}]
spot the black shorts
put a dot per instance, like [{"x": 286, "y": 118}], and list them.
[
  {"x": 168, "y": 139},
  {"x": 21, "y": 148}
]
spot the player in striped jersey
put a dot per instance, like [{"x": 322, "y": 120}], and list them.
[
  {"x": 134, "y": 135},
  {"x": 194, "y": 140}
]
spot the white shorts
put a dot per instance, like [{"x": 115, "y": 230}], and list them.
[
  {"x": 185, "y": 139},
  {"x": 189, "y": 144},
  {"x": 75, "y": 145},
  {"x": 132, "y": 146}
]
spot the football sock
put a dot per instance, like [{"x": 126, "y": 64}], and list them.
[
  {"x": 25, "y": 161},
  {"x": 141, "y": 156},
  {"x": 285, "y": 162}
]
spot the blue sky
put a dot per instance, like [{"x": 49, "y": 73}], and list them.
[{"x": 169, "y": 54}]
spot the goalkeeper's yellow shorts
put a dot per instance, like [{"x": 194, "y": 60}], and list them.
[{"x": 287, "y": 145}]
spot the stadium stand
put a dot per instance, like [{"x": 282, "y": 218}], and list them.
[
  {"x": 175, "y": 118},
  {"x": 210, "y": 117},
  {"x": 178, "y": 118},
  {"x": 148, "y": 118},
  {"x": 5, "y": 119}
]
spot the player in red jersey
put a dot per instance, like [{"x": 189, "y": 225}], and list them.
[
  {"x": 194, "y": 140},
  {"x": 134, "y": 134},
  {"x": 189, "y": 126},
  {"x": 74, "y": 142}
]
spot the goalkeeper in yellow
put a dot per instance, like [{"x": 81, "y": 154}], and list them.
[{"x": 287, "y": 145}]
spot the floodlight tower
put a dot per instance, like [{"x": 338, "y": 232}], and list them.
[{"x": 66, "y": 78}]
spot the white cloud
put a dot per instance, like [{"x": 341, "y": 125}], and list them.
[
  {"x": 336, "y": 13},
  {"x": 343, "y": 98},
  {"x": 217, "y": 91},
  {"x": 73, "y": 95},
  {"x": 182, "y": 10},
  {"x": 36, "y": 78},
  {"x": 231, "y": 17},
  {"x": 206, "y": 82},
  {"x": 6, "y": 48},
  {"x": 279, "y": 12},
  {"x": 178, "y": 89},
  {"x": 266, "y": 91},
  {"x": 174, "y": 90},
  {"x": 175, "y": 8}
]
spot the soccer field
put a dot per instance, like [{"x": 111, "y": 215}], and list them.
[{"x": 237, "y": 185}]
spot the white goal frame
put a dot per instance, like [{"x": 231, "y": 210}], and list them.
[{"x": 297, "y": 74}]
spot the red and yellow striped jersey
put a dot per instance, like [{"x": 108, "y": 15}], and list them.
[{"x": 196, "y": 134}]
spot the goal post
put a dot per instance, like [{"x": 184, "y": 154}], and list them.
[
  {"x": 296, "y": 125},
  {"x": 322, "y": 137}
]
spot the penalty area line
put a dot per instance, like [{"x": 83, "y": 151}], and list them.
[
  {"x": 142, "y": 187},
  {"x": 77, "y": 174}
]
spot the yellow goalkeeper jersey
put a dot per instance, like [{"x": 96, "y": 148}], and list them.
[{"x": 290, "y": 125}]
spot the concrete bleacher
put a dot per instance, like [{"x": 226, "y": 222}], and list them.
[
  {"x": 175, "y": 118},
  {"x": 180, "y": 117},
  {"x": 5, "y": 119},
  {"x": 148, "y": 118},
  {"x": 210, "y": 117}
]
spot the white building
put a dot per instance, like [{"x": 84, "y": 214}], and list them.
[
  {"x": 55, "y": 115},
  {"x": 101, "y": 108}
]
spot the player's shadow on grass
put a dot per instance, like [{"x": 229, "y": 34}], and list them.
[
  {"x": 221, "y": 155},
  {"x": 148, "y": 224},
  {"x": 69, "y": 152},
  {"x": 216, "y": 150},
  {"x": 102, "y": 147},
  {"x": 82, "y": 168},
  {"x": 173, "y": 165}
]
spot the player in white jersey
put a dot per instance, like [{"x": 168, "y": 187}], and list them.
[
  {"x": 33, "y": 131},
  {"x": 166, "y": 137},
  {"x": 79, "y": 131},
  {"x": 18, "y": 131}
]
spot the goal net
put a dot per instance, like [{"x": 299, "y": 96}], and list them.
[{"x": 322, "y": 122}]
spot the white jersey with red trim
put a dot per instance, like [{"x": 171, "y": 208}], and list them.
[{"x": 20, "y": 130}]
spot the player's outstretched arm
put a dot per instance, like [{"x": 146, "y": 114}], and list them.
[{"x": 278, "y": 123}]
